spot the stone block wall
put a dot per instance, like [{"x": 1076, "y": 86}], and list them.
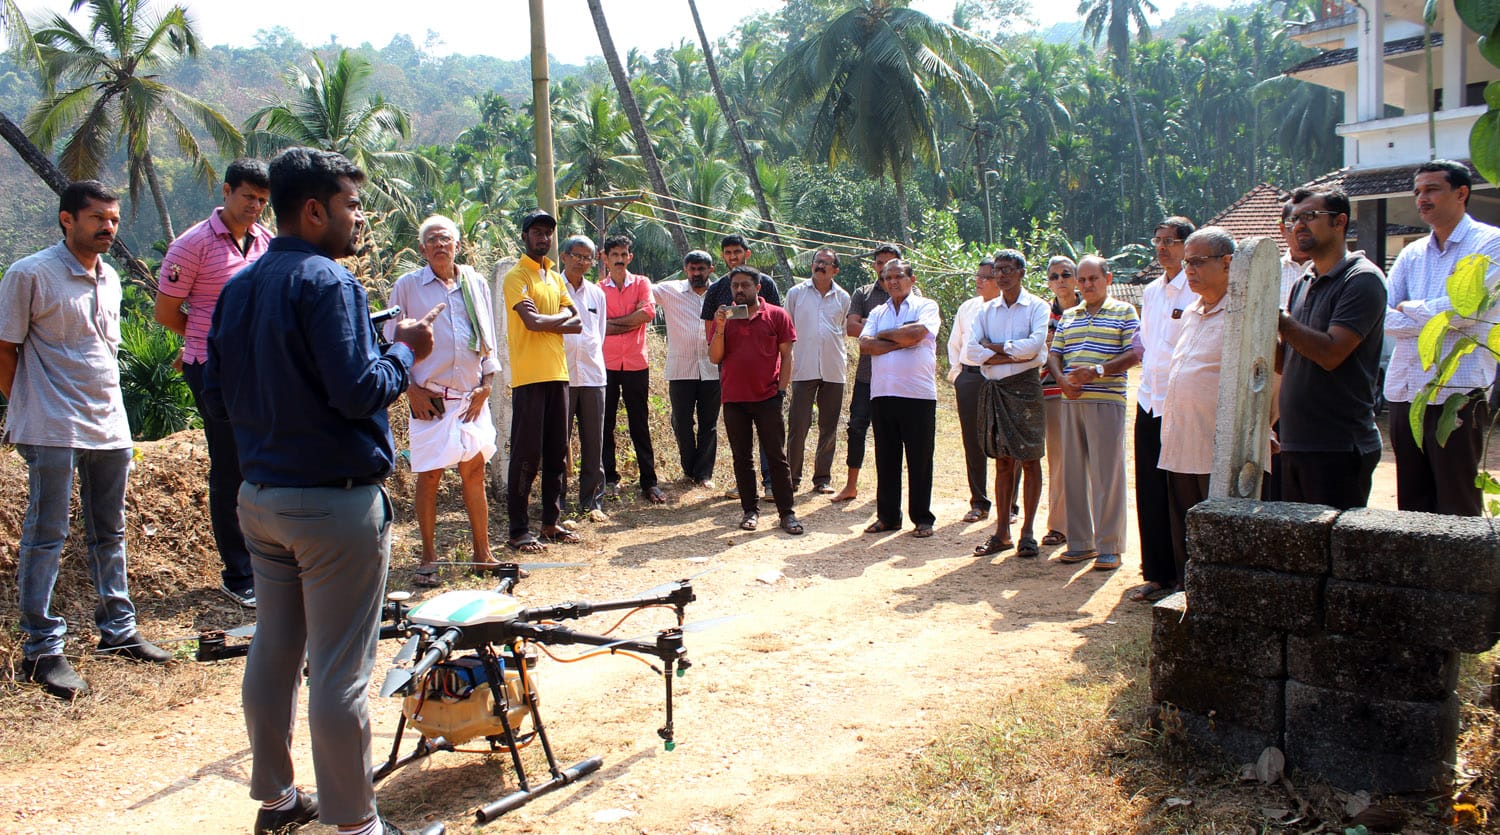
[{"x": 1333, "y": 636}]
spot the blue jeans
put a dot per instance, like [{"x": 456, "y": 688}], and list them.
[{"x": 101, "y": 489}]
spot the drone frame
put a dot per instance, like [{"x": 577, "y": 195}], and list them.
[{"x": 532, "y": 625}]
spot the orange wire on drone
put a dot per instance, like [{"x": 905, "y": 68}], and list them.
[{"x": 621, "y": 653}]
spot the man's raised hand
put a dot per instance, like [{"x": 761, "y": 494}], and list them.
[{"x": 417, "y": 333}]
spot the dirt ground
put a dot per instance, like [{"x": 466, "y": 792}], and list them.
[{"x": 849, "y": 653}]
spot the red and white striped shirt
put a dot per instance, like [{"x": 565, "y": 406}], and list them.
[{"x": 196, "y": 267}]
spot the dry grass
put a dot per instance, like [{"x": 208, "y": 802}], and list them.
[{"x": 1077, "y": 754}]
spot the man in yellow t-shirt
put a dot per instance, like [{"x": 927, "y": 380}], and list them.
[{"x": 538, "y": 313}]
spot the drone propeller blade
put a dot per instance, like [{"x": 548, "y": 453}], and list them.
[
  {"x": 695, "y": 626},
  {"x": 666, "y": 587},
  {"x": 396, "y": 679},
  {"x": 525, "y": 566},
  {"x": 408, "y": 650}
]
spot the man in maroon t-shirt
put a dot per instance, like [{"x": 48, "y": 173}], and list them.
[{"x": 751, "y": 342}]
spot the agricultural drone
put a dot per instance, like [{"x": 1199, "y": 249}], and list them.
[{"x": 474, "y": 676}]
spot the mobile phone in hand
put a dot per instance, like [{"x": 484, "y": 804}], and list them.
[{"x": 739, "y": 311}]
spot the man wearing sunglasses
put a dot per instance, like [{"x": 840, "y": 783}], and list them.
[
  {"x": 1062, "y": 281},
  {"x": 1162, "y": 305},
  {"x": 1329, "y": 360}
]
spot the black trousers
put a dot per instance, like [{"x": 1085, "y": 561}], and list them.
[
  {"x": 1183, "y": 491},
  {"x": 859, "y": 425},
  {"x": 1151, "y": 514},
  {"x": 695, "y": 402},
  {"x": 906, "y": 427},
  {"x": 744, "y": 423},
  {"x": 1439, "y": 478},
  {"x": 633, "y": 387},
  {"x": 223, "y": 488},
  {"x": 1338, "y": 479},
  {"x": 976, "y": 466},
  {"x": 538, "y": 443}
]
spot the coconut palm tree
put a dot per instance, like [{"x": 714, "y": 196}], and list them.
[
  {"x": 111, "y": 86},
  {"x": 873, "y": 77},
  {"x": 637, "y": 124},
  {"x": 1113, "y": 19},
  {"x": 333, "y": 108}
]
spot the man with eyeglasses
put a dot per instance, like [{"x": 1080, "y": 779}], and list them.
[
  {"x": 1061, "y": 272},
  {"x": 1330, "y": 358},
  {"x": 59, "y": 341},
  {"x": 1438, "y": 477},
  {"x": 449, "y": 392},
  {"x": 1089, "y": 357},
  {"x": 862, "y": 302},
  {"x": 818, "y": 307},
  {"x": 1162, "y": 305},
  {"x": 964, "y": 373},
  {"x": 586, "y": 374}
]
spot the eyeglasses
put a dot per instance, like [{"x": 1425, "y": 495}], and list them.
[
  {"x": 582, "y": 256},
  {"x": 1199, "y": 260},
  {"x": 1058, "y": 276},
  {"x": 1008, "y": 269},
  {"x": 1307, "y": 217},
  {"x": 439, "y": 240},
  {"x": 1166, "y": 242}
]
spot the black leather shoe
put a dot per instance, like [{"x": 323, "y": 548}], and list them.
[
  {"x": 55, "y": 676},
  {"x": 276, "y": 821},
  {"x": 136, "y": 648}
]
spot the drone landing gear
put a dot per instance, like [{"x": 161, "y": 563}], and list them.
[{"x": 522, "y": 688}]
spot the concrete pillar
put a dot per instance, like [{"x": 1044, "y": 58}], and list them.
[
  {"x": 1243, "y": 423},
  {"x": 1369, "y": 230},
  {"x": 1453, "y": 79},
  {"x": 1371, "y": 63}
]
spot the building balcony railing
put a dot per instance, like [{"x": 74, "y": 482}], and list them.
[{"x": 1402, "y": 140}]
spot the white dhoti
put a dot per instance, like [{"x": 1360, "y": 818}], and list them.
[{"x": 444, "y": 442}]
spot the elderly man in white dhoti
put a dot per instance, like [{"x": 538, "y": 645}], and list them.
[{"x": 450, "y": 389}]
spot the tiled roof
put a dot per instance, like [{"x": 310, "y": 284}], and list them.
[
  {"x": 1255, "y": 213},
  {"x": 1380, "y": 181},
  {"x": 1349, "y": 55}
]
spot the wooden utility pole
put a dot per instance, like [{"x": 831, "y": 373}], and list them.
[{"x": 1248, "y": 367}]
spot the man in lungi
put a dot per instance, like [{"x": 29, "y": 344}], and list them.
[{"x": 1009, "y": 339}]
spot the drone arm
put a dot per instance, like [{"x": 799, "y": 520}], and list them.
[{"x": 679, "y": 595}]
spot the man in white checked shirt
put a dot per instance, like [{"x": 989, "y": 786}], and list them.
[
  {"x": 818, "y": 307},
  {"x": 1438, "y": 478},
  {"x": 964, "y": 374},
  {"x": 692, "y": 379}
]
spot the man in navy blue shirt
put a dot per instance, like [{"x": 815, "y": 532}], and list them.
[{"x": 294, "y": 367}]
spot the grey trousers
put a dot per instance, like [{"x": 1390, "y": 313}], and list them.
[
  {"x": 586, "y": 405},
  {"x": 1094, "y": 471},
  {"x": 1057, "y": 497},
  {"x": 976, "y": 466},
  {"x": 830, "y": 400},
  {"x": 320, "y": 556}
]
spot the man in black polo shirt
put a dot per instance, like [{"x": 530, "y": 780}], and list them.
[
  {"x": 736, "y": 253},
  {"x": 1331, "y": 335}
]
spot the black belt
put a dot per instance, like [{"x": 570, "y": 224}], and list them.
[
  {"x": 340, "y": 483},
  {"x": 970, "y": 369}
]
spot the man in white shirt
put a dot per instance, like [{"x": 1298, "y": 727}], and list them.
[
  {"x": 586, "y": 374},
  {"x": 692, "y": 379},
  {"x": 1438, "y": 478},
  {"x": 1162, "y": 304},
  {"x": 818, "y": 307},
  {"x": 963, "y": 373},
  {"x": 1009, "y": 340},
  {"x": 900, "y": 336}
]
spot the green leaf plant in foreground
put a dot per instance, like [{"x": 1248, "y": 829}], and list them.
[
  {"x": 1434, "y": 388},
  {"x": 1466, "y": 287},
  {"x": 1430, "y": 340}
]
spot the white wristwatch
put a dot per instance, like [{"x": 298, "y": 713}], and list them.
[{"x": 1098, "y": 371}]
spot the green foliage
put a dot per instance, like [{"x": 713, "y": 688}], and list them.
[{"x": 157, "y": 400}]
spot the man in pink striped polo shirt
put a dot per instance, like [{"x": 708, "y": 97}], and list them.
[{"x": 195, "y": 269}]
